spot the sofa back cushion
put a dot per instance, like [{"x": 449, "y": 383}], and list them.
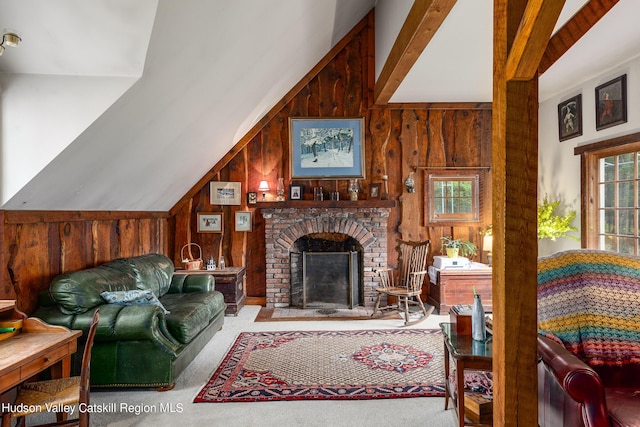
[
  {"x": 589, "y": 300},
  {"x": 151, "y": 271},
  {"x": 80, "y": 291}
]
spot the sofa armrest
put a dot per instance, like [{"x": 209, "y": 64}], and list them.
[
  {"x": 566, "y": 381},
  {"x": 183, "y": 283}
]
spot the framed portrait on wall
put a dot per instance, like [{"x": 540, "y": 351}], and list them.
[
  {"x": 327, "y": 148},
  {"x": 611, "y": 103},
  {"x": 570, "y": 118}
]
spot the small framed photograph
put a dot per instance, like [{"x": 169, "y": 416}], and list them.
[
  {"x": 326, "y": 148},
  {"x": 611, "y": 103},
  {"x": 570, "y": 118},
  {"x": 252, "y": 197},
  {"x": 243, "y": 221},
  {"x": 374, "y": 190},
  {"x": 225, "y": 193},
  {"x": 295, "y": 192},
  {"x": 210, "y": 222}
]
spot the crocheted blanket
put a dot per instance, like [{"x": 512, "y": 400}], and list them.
[{"x": 589, "y": 301}]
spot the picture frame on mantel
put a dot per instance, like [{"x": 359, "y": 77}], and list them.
[
  {"x": 295, "y": 192},
  {"x": 326, "y": 148},
  {"x": 611, "y": 103},
  {"x": 570, "y": 118}
]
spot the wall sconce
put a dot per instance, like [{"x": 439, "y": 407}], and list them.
[
  {"x": 264, "y": 187},
  {"x": 410, "y": 184},
  {"x": 9, "y": 39}
]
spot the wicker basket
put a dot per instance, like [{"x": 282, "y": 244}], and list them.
[{"x": 190, "y": 263}]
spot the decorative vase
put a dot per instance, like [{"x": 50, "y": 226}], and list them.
[
  {"x": 452, "y": 252},
  {"x": 478, "y": 322},
  {"x": 353, "y": 190},
  {"x": 280, "y": 190}
]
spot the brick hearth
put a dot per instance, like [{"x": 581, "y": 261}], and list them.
[{"x": 285, "y": 222}]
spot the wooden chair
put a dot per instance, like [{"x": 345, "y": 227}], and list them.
[
  {"x": 405, "y": 283},
  {"x": 33, "y": 396}
]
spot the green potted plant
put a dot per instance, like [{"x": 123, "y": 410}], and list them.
[
  {"x": 551, "y": 225},
  {"x": 455, "y": 247}
]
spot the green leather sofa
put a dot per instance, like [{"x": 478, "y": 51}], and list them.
[{"x": 137, "y": 345}]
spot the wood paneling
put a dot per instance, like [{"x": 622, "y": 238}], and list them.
[
  {"x": 39, "y": 245},
  {"x": 398, "y": 137}
]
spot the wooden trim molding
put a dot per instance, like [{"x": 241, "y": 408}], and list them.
[
  {"x": 30, "y": 217},
  {"x": 609, "y": 143}
]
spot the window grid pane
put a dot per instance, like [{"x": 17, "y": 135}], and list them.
[{"x": 619, "y": 193}]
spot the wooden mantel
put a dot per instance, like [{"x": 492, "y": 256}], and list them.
[{"x": 311, "y": 204}]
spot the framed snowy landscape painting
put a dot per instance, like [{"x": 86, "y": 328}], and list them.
[{"x": 326, "y": 148}]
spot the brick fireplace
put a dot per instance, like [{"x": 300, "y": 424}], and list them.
[{"x": 286, "y": 222}]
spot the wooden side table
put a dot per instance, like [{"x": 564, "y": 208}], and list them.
[
  {"x": 229, "y": 281},
  {"x": 467, "y": 353},
  {"x": 455, "y": 286}
]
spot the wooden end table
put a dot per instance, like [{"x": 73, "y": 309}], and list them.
[
  {"x": 229, "y": 281},
  {"x": 467, "y": 354}
]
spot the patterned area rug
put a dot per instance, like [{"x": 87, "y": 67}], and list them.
[{"x": 311, "y": 365}]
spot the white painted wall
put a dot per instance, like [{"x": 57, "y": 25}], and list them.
[
  {"x": 42, "y": 115},
  {"x": 559, "y": 168},
  {"x": 390, "y": 16}
]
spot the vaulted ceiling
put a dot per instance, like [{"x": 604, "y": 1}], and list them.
[{"x": 121, "y": 105}]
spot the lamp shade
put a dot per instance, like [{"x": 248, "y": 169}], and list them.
[
  {"x": 264, "y": 186},
  {"x": 487, "y": 242}
]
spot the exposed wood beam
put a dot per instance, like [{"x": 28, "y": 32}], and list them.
[
  {"x": 573, "y": 30},
  {"x": 533, "y": 35},
  {"x": 514, "y": 219},
  {"x": 421, "y": 24}
]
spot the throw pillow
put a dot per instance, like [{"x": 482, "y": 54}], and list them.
[{"x": 137, "y": 296}]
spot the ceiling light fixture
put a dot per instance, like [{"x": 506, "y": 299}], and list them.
[{"x": 9, "y": 39}]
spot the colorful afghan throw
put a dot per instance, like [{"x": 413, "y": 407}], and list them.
[
  {"x": 589, "y": 301},
  {"x": 305, "y": 365}
]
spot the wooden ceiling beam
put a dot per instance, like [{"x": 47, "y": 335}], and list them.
[
  {"x": 421, "y": 24},
  {"x": 573, "y": 30},
  {"x": 534, "y": 32}
]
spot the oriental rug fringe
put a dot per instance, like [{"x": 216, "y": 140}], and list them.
[{"x": 321, "y": 365}]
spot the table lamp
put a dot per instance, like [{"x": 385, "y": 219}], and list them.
[
  {"x": 487, "y": 245},
  {"x": 264, "y": 187}
]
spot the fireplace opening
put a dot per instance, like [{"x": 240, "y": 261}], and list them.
[{"x": 326, "y": 272}]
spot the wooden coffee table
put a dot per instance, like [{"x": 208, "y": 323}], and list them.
[{"x": 466, "y": 354}]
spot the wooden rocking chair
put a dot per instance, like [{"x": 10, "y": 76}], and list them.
[{"x": 405, "y": 283}]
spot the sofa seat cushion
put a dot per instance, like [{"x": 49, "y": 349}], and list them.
[
  {"x": 622, "y": 405},
  {"x": 190, "y": 313}
]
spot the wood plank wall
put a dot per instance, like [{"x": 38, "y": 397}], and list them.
[
  {"x": 37, "y": 246},
  {"x": 398, "y": 137}
]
